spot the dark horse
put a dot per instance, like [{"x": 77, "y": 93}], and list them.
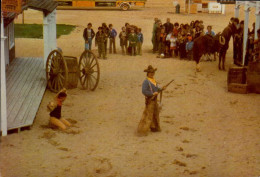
[
  {"x": 225, "y": 36},
  {"x": 206, "y": 44}
]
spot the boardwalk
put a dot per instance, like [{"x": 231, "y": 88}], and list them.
[{"x": 25, "y": 79}]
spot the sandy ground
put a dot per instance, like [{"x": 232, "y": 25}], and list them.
[{"x": 206, "y": 131}]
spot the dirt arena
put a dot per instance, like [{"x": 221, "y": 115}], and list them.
[{"x": 206, "y": 131}]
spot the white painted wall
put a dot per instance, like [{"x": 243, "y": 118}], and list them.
[{"x": 3, "y": 82}]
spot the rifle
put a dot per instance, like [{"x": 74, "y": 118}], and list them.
[{"x": 161, "y": 91}]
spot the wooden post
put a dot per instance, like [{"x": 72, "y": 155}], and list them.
[
  {"x": 45, "y": 38},
  {"x": 247, "y": 10},
  {"x": 3, "y": 82},
  {"x": 223, "y": 8},
  {"x": 53, "y": 34},
  {"x": 237, "y": 10}
]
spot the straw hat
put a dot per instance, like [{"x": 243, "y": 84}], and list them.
[{"x": 150, "y": 69}]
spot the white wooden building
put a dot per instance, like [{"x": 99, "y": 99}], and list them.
[
  {"x": 248, "y": 5},
  {"x": 23, "y": 80}
]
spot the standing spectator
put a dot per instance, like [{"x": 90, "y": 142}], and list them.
[
  {"x": 198, "y": 32},
  {"x": 162, "y": 42},
  {"x": 253, "y": 29},
  {"x": 209, "y": 31},
  {"x": 239, "y": 44},
  {"x": 182, "y": 45},
  {"x": 128, "y": 28},
  {"x": 257, "y": 46},
  {"x": 155, "y": 25},
  {"x": 100, "y": 42},
  {"x": 234, "y": 23},
  {"x": 249, "y": 49},
  {"x": 140, "y": 38},
  {"x": 189, "y": 47},
  {"x": 123, "y": 40},
  {"x": 192, "y": 24},
  {"x": 132, "y": 38},
  {"x": 105, "y": 30},
  {"x": 168, "y": 26},
  {"x": 88, "y": 36},
  {"x": 175, "y": 28},
  {"x": 112, "y": 39},
  {"x": 173, "y": 44}
]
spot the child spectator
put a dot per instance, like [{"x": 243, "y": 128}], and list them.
[
  {"x": 182, "y": 45},
  {"x": 132, "y": 38},
  {"x": 88, "y": 36},
  {"x": 173, "y": 43},
  {"x": 100, "y": 42},
  {"x": 55, "y": 108},
  {"x": 105, "y": 30},
  {"x": 175, "y": 28},
  {"x": 140, "y": 38},
  {"x": 112, "y": 39},
  {"x": 189, "y": 47},
  {"x": 123, "y": 40}
]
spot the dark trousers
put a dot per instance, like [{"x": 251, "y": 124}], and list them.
[
  {"x": 105, "y": 46},
  {"x": 189, "y": 54},
  {"x": 112, "y": 44},
  {"x": 133, "y": 50}
]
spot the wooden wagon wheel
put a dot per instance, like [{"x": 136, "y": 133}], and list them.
[
  {"x": 56, "y": 71},
  {"x": 89, "y": 70}
]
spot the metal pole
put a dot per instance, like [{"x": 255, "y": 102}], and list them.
[{"x": 3, "y": 81}]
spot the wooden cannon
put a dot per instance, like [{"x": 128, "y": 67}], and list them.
[{"x": 65, "y": 71}]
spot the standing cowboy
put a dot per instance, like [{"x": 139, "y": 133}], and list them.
[{"x": 150, "y": 119}]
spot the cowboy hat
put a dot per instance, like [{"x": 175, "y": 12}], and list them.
[{"x": 150, "y": 69}]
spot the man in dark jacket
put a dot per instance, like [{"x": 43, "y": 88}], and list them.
[
  {"x": 112, "y": 39},
  {"x": 88, "y": 36},
  {"x": 168, "y": 26}
]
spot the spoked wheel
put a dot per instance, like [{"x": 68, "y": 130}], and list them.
[
  {"x": 56, "y": 71},
  {"x": 125, "y": 7},
  {"x": 89, "y": 70}
]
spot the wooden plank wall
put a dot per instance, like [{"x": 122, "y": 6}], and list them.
[{"x": 25, "y": 87}]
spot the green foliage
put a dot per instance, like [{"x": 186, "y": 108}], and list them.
[{"x": 36, "y": 30}]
